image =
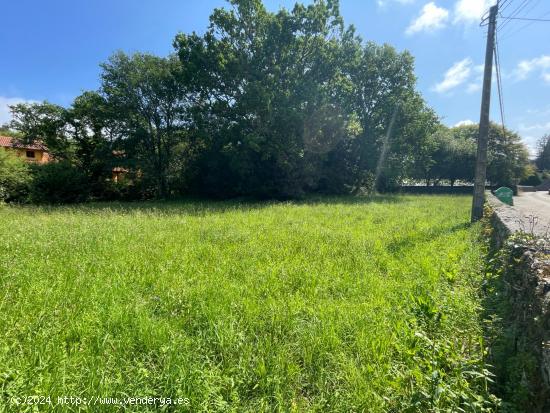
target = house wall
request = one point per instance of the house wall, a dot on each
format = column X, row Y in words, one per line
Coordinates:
column 39, row 155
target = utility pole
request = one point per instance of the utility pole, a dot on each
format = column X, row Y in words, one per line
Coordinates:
column 481, row 159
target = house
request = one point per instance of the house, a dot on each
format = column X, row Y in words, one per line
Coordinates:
column 118, row 174
column 31, row 152
column 38, row 153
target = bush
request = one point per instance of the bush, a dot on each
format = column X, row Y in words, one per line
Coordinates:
column 15, row 178
column 59, row 183
column 531, row 180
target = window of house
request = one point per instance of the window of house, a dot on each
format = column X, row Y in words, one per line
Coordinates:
column 30, row 154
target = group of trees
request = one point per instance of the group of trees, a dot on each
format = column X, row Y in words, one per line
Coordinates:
column 543, row 154
column 452, row 155
column 263, row 104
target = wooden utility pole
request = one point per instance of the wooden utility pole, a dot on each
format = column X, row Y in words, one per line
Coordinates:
column 481, row 159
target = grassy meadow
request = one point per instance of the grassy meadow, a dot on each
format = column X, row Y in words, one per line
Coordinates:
column 331, row 304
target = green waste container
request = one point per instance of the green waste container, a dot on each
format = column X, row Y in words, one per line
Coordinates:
column 505, row 194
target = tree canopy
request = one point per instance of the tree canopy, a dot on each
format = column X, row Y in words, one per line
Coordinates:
column 543, row 153
column 264, row 104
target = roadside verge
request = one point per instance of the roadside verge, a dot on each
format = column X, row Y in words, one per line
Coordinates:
column 518, row 309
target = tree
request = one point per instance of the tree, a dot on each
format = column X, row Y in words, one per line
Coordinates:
column 292, row 102
column 543, row 153
column 92, row 132
column 148, row 100
column 452, row 158
column 5, row 130
column 263, row 104
column 384, row 83
column 42, row 122
column 265, row 79
column 507, row 155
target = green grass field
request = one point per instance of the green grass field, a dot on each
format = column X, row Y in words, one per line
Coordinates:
column 337, row 304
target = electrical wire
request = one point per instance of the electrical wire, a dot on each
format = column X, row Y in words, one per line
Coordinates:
column 518, row 10
column 529, row 23
column 499, row 83
column 526, row 18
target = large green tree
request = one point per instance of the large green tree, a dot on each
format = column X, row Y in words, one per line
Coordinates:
column 543, row 153
column 147, row 98
column 293, row 101
column 266, row 82
column 384, row 87
column 508, row 157
column 264, row 104
column 92, row 132
column 44, row 122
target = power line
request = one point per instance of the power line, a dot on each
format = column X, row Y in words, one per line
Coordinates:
column 526, row 18
column 504, row 5
column 530, row 22
column 513, row 14
column 499, row 83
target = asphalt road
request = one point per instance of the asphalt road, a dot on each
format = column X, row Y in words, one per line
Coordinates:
column 535, row 209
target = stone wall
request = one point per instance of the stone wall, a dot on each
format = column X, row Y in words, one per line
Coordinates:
column 519, row 299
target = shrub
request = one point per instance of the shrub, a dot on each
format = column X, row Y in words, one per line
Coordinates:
column 532, row 180
column 15, row 178
column 59, row 183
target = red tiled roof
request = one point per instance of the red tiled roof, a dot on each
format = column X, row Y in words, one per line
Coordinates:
column 8, row 142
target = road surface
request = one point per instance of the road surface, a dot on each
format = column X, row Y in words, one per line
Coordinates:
column 535, row 210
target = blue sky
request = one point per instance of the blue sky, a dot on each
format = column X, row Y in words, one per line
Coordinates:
column 50, row 50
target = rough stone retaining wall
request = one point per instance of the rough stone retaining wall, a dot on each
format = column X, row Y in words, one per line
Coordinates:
column 522, row 360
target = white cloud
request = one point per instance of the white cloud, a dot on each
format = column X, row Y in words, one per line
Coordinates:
column 532, row 132
column 455, row 76
column 465, row 122
column 431, row 18
column 471, row 11
column 534, row 127
column 5, row 115
column 473, row 87
column 539, row 64
column 475, row 84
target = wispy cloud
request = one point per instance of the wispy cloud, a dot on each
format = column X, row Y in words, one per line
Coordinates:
column 475, row 84
column 532, row 132
column 5, row 102
column 539, row 65
column 431, row 18
column 541, row 127
column 456, row 75
column 471, row 11
column 465, row 122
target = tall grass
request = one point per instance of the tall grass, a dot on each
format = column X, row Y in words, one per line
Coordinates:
column 336, row 304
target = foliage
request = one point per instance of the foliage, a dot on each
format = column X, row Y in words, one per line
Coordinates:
column 330, row 304
column 58, row 183
column 43, row 122
column 263, row 104
column 543, row 154
column 517, row 319
column 507, row 156
column 14, row 177
column 452, row 158
column 148, row 98
column 532, row 179
column 92, row 132
column 5, row 130
column 293, row 102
